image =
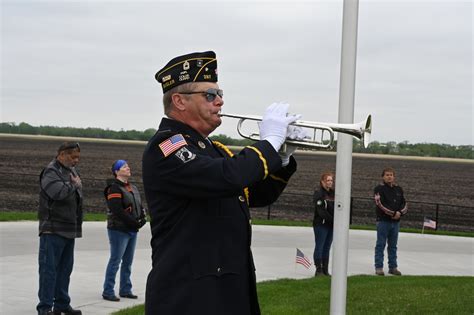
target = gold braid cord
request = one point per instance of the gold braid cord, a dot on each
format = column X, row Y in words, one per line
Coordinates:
column 229, row 152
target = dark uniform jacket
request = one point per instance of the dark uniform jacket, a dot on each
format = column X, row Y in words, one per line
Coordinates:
column 392, row 200
column 199, row 202
column 124, row 206
column 60, row 202
column 323, row 207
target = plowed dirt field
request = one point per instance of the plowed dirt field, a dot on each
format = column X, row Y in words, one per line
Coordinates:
column 428, row 183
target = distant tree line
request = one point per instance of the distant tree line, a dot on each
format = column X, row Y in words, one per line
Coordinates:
column 27, row 129
column 417, row 149
column 393, row 148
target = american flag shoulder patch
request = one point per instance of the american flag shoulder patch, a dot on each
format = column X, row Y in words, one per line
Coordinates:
column 172, row 144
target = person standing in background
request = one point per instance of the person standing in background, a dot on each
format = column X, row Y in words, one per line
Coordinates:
column 125, row 216
column 60, row 223
column 390, row 206
column 323, row 223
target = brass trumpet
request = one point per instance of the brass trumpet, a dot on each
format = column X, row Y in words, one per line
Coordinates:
column 361, row 131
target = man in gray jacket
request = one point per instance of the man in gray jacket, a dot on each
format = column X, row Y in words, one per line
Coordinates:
column 60, row 222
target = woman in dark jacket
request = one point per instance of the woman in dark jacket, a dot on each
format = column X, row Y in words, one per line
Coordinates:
column 323, row 223
column 125, row 216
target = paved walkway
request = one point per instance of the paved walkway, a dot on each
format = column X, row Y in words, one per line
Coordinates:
column 274, row 251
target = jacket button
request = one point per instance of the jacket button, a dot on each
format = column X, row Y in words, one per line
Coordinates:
column 241, row 198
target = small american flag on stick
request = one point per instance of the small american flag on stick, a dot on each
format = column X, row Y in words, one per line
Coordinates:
column 427, row 222
column 302, row 259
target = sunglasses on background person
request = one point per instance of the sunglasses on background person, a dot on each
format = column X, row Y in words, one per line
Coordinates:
column 210, row 94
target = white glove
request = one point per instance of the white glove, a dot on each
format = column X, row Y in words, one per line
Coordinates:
column 274, row 124
column 295, row 133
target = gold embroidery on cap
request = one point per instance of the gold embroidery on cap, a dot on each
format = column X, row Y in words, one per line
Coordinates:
column 195, row 78
column 186, row 65
column 178, row 63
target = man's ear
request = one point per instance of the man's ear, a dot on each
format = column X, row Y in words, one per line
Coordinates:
column 178, row 101
column 61, row 157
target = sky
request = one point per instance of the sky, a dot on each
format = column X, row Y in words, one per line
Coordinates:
column 92, row 63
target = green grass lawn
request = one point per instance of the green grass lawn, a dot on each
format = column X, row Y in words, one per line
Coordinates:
column 365, row 295
column 33, row 216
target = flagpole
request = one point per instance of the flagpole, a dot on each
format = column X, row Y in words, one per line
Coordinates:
column 344, row 158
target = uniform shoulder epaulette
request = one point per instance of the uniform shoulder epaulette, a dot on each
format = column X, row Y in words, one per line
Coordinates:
column 172, row 144
column 159, row 136
column 164, row 132
column 162, row 135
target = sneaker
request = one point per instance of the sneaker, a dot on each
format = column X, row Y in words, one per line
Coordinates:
column 112, row 298
column 379, row 272
column 68, row 311
column 45, row 312
column 394, row 271
column 129, row 296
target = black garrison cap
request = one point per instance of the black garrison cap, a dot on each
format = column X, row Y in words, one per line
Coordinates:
column 194, row 67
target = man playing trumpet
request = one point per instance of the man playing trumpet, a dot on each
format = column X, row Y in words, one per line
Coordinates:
column 199, row 194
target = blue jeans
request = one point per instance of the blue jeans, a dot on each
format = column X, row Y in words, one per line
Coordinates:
column 387, row 233
column 323, row 241
column 55, row 260
column 122, row 249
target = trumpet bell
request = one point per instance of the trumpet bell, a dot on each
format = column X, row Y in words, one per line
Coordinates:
column 367, row 130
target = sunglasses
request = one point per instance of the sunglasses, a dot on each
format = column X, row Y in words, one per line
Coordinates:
column 210, row 94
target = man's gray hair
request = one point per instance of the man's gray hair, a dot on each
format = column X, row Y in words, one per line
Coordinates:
column 168, row 102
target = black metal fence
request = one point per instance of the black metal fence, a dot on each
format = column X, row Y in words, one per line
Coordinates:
column 290, row 206
column 299, row 206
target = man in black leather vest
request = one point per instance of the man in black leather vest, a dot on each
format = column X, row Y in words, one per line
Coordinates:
column 60, row 222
